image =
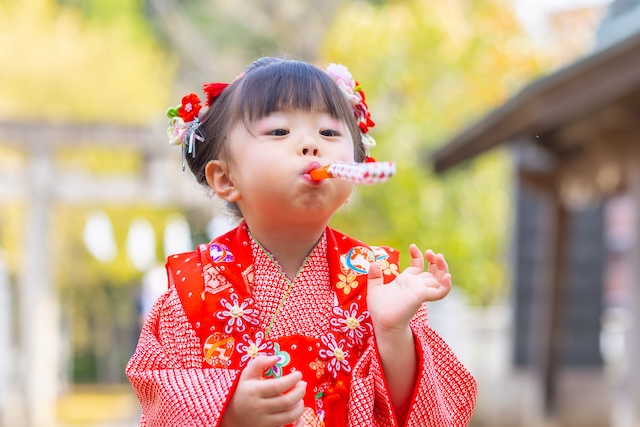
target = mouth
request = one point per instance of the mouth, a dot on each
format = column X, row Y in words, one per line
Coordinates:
column 307, row 176
column 311, row 166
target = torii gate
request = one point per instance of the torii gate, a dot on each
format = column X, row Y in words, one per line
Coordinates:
column 40, row 186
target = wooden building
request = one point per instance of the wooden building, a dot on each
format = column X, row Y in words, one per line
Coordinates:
column 575, row 138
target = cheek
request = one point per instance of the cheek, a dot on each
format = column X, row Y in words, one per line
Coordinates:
column 357, row 151
column 262, row 171
column 353, row 154
column 344, row 152
column 345, row 187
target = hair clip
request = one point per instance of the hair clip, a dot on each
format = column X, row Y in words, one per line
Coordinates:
column 183, row 125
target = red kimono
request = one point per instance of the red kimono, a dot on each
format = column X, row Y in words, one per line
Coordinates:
column 229, row 301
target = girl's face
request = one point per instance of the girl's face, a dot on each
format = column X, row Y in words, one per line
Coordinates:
column 270, row 162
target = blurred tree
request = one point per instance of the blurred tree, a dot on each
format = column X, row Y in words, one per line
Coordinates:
column 81, row 61
column 265, row 27
column 429, row 67
column 217, row 39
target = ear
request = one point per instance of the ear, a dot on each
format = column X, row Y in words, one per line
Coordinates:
column 218, row 178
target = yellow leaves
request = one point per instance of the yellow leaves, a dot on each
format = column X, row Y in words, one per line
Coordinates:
column 454, row 16
column 57, row 66
column 100, row 160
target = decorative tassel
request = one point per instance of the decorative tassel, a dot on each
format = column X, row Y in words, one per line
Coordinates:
column 335, row 405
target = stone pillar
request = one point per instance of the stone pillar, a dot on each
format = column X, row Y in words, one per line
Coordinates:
column 6, row 345
column 38, row 303
column 633, row 377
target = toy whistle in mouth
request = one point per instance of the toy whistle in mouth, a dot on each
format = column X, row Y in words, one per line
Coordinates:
column 358, row 173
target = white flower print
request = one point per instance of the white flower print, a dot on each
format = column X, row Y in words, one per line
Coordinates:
column 355, row 326
column 250, row 347
column 336, row 354
column 238, row 314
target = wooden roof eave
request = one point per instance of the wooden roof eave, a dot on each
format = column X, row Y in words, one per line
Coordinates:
column 551, row 102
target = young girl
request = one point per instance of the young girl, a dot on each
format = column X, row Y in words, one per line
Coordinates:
column 284, row 320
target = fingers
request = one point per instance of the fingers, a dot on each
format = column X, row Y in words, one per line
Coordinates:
column 260, row 401
column 446, row 280
column 289, row 416
column 274, row 387
column 256, row 367
column 442, row 290
column 417, row 261
column 439, row 271
column 375, row 275
column 437, row 264
column 286, row 401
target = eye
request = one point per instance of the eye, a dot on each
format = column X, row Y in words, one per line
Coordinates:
column 278, row 132
column 330, row 132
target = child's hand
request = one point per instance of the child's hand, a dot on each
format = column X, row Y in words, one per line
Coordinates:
column 259, row 402
column 393, row 305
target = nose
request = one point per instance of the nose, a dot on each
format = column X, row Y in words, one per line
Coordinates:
column 309, row 147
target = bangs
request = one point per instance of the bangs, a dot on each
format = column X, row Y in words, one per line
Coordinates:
column 289, row 85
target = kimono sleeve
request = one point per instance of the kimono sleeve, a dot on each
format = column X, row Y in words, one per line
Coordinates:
column 167, row 375
column 445, row 392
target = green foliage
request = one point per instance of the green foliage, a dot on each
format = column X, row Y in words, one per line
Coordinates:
column 429, row 68
column 100, row 299
column 239, row 32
